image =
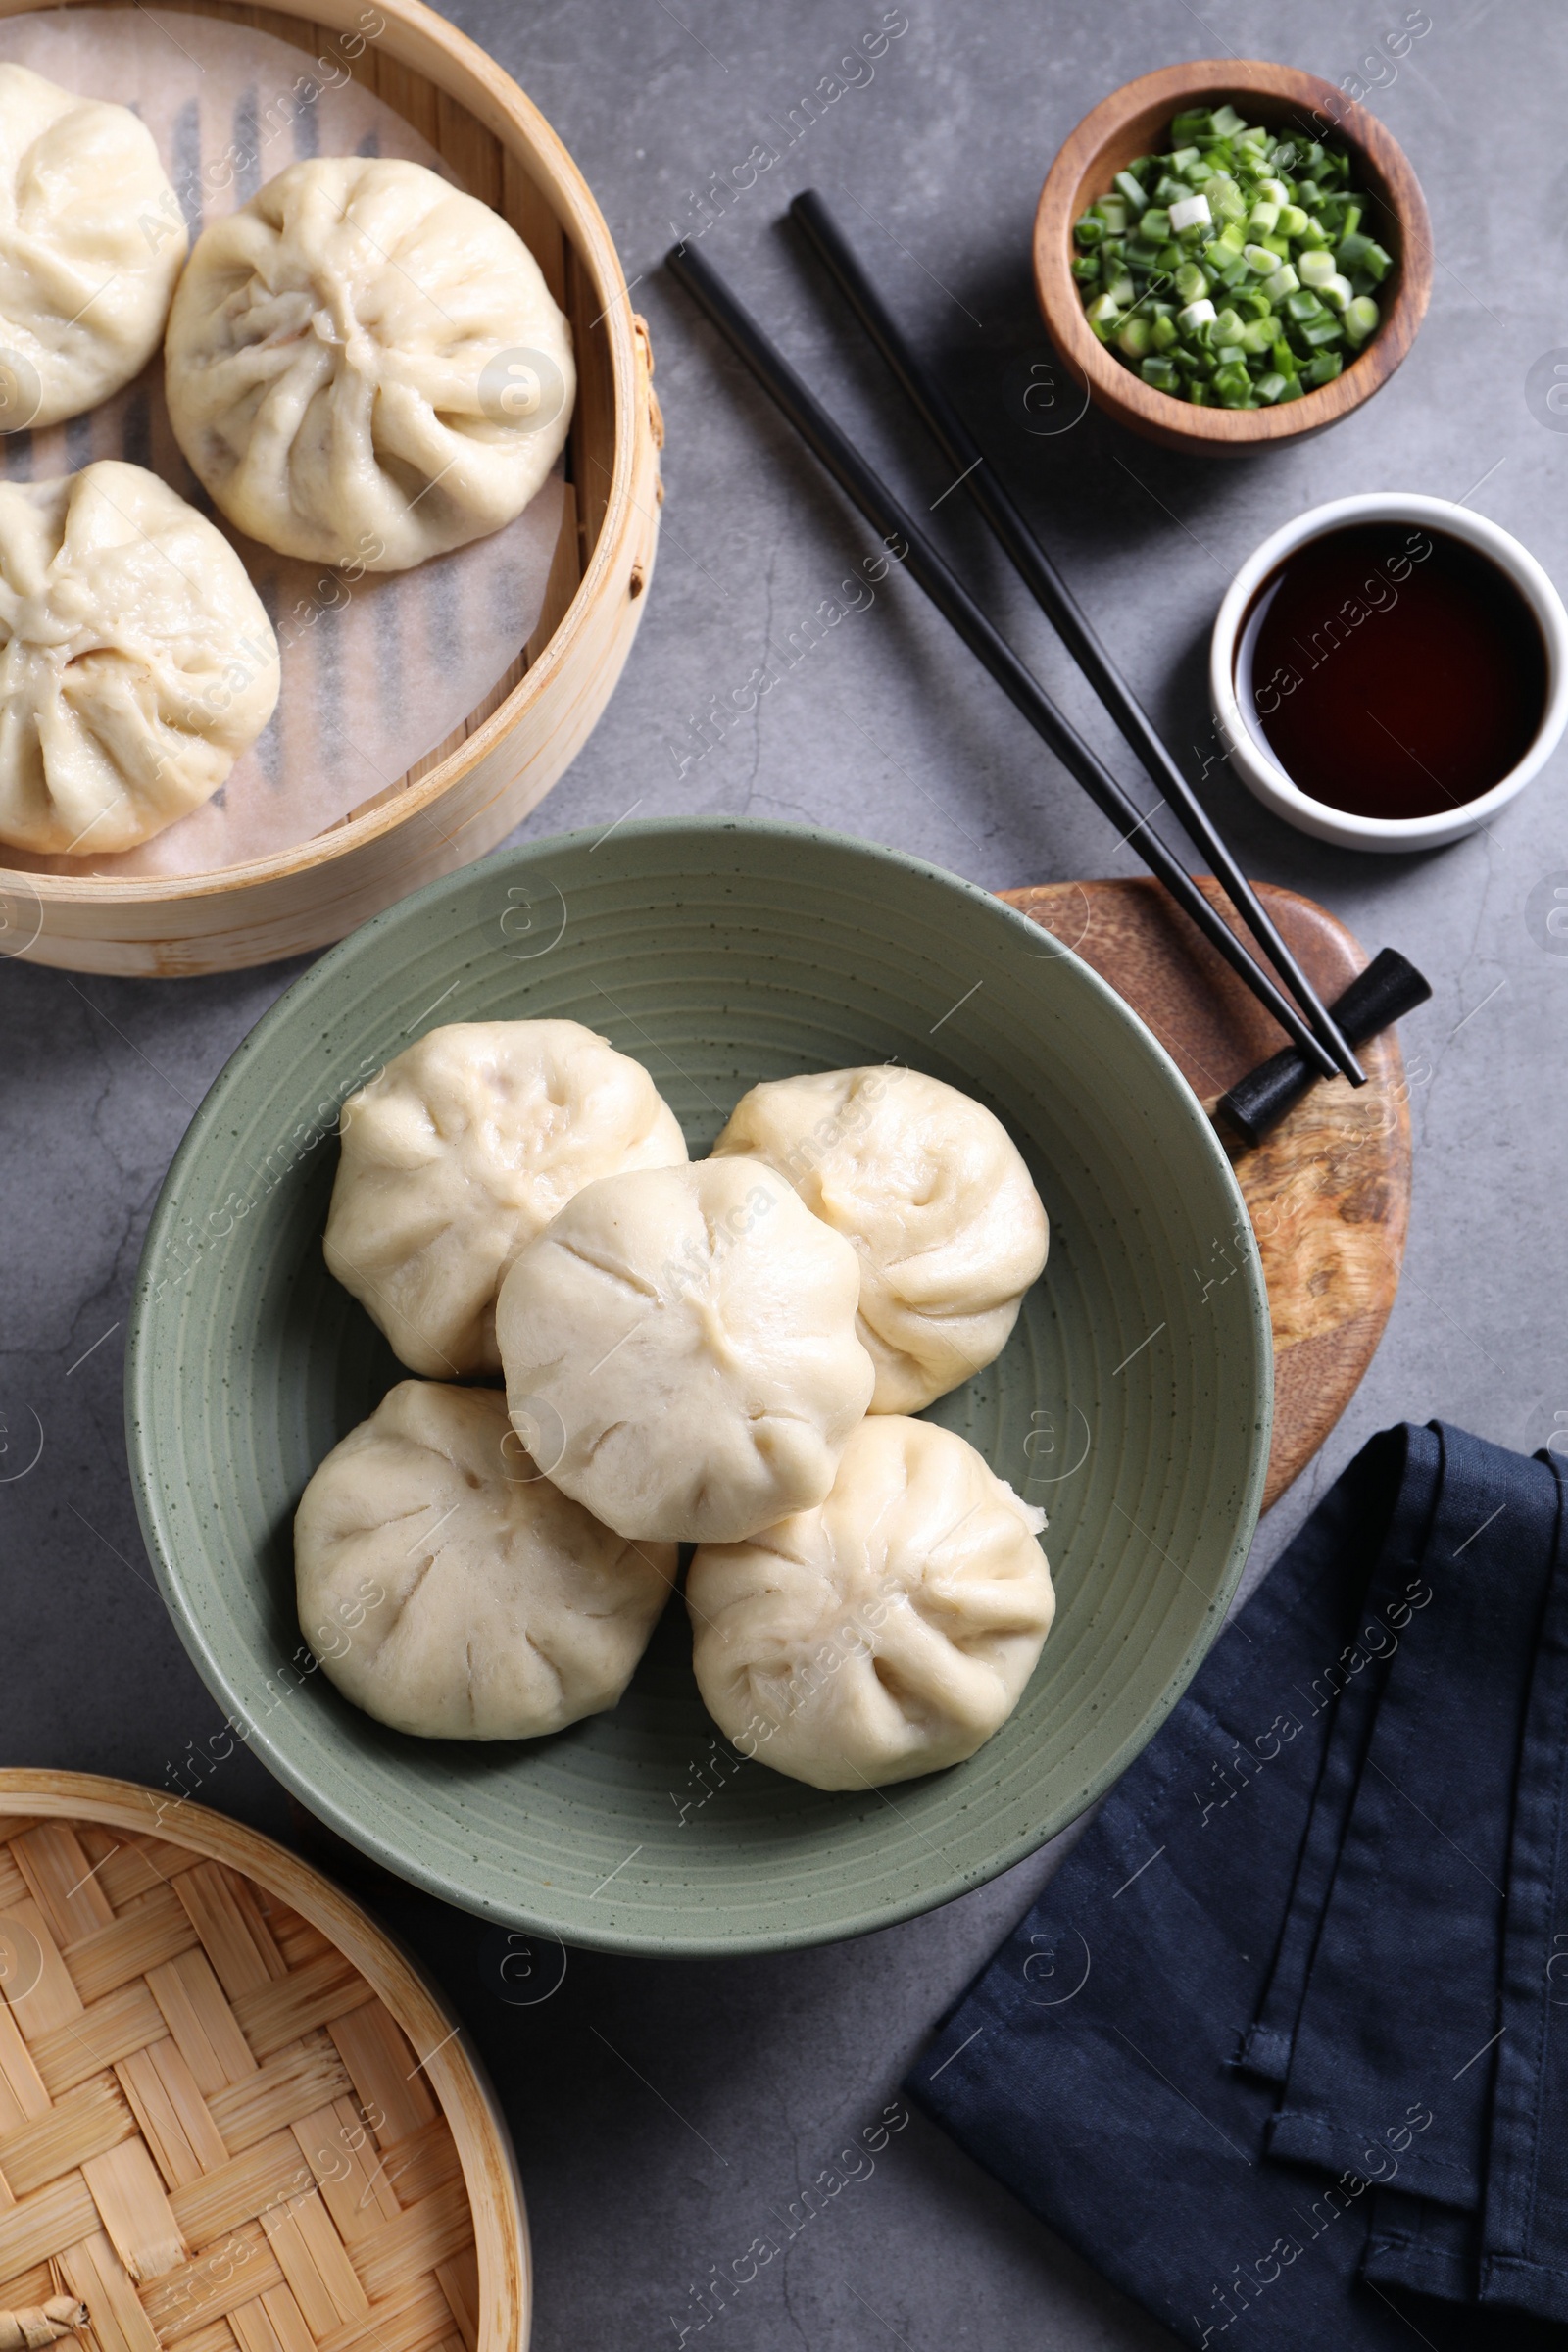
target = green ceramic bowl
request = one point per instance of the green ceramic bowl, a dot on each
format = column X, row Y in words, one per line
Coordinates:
column 1132, row 1402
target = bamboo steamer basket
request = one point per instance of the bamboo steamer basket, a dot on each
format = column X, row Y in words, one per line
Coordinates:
column 467, row 794
column 234, row 2116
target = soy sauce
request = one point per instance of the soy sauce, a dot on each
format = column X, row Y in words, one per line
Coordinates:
column 1392, row 670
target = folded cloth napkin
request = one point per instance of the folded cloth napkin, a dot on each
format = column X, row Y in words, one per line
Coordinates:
column 1283, row 2050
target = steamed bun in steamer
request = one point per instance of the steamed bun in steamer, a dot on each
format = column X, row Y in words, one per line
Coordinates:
column 886, row 1633
column 364, row 364
column 458, row 1153
column 680, row 1346
column 451, row 1591
column 91, row 241
column 933, row 1194
column 136, row 661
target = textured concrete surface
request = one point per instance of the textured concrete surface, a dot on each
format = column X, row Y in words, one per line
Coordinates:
column 664, row 2115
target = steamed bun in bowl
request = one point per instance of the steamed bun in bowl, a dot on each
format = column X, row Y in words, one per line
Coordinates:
column 886, row 1633
column 934, row 1194
column 451, row 1591
column 458, row 1153
column 679, row 1345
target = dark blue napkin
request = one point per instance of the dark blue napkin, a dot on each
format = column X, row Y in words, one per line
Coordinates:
column 1284, row 2047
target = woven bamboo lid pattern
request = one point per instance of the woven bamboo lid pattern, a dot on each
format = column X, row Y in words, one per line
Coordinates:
column 213, row 2131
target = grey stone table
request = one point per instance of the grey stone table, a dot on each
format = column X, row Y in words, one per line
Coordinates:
column 665, row 2114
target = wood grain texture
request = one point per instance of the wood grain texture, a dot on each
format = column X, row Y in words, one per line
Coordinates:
column 453, row 806
column 280, row 2142
column 1134, row 120
column 1329, row 1191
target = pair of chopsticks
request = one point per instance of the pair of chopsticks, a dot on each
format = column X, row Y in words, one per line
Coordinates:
column 1317, row 1035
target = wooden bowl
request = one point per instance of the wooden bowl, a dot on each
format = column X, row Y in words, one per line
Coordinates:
column 1134, row 120
column 233, row 2117
column 465, row 797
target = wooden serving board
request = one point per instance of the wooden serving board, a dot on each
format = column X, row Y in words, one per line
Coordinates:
column 1329, row 1190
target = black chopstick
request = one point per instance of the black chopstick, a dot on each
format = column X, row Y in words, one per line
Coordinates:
column 920, row 559
column 1058, row 602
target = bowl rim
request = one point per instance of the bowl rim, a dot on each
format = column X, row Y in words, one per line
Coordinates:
column 454, row 62
column 1175, row 424
column 1263, row 775
column 140, row 1404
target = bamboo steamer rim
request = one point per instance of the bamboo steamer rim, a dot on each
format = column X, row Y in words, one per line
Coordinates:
column 484, row 2150
column 417, row 38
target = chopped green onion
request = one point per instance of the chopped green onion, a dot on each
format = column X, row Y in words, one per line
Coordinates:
column 1190, row 213
column 1256, row 237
